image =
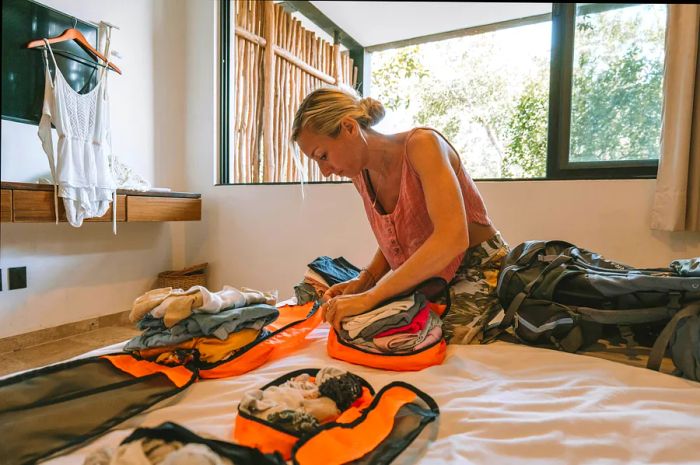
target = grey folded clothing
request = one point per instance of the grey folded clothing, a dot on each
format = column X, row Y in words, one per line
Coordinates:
column 399, row 319
column 219, row 325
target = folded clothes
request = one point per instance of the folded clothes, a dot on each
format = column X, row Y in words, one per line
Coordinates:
column 415, row 326
column 334, row 270
column 305, row 293
column 177, row 304
column 318, row 287
column 219, row 325
column 311, row 275
column 394, row 314
column 406, row 342
column 209, row 349
column 433, row 336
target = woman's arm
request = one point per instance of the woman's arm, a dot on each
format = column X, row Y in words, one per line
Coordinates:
column 367, row 278
column 450, row 237
column 378, row 267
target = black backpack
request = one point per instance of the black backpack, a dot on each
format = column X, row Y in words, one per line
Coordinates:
column 559, row 295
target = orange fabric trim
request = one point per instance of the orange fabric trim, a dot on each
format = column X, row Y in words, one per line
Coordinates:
column 348, row 444
column 274, row 347
column 253, row 434
column 354, row 412
column 179, row 375
column 429, row 357
column 438, row 309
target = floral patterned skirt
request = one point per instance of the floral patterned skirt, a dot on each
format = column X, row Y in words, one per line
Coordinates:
column 473, row 292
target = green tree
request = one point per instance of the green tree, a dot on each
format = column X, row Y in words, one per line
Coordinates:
column 527, row 133
column 616, row 97
column 399, row 72
column 617, row 87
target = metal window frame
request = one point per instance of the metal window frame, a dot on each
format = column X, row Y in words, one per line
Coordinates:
column 559, row 166
column 224, row 91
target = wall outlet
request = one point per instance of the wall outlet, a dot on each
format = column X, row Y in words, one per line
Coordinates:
column 17, row 277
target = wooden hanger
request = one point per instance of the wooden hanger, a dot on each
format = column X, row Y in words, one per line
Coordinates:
column 74, row 34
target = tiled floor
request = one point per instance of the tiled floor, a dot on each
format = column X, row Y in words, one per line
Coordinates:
column 55, row 351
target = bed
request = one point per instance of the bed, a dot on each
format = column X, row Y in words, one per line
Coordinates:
column 499, row 403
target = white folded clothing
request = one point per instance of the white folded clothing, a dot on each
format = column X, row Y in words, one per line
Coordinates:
column 355, row 324
column 214, row 302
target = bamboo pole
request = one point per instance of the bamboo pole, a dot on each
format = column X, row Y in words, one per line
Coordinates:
column 240, row 95
column 253, row 120
column 249, row 36
column 251, row 123
column 354, row 74
column 284, row 88
column 253, row 51
column 307, row 68
column 268, row 116
column 276, row 106
column 336, row 63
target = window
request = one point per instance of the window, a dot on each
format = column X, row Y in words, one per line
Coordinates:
column 487, row 93
column 571, row 91
column 575, row 94
column 616, row 87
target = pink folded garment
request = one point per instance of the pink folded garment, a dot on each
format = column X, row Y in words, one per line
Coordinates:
column 416, row 325
column 432, row 337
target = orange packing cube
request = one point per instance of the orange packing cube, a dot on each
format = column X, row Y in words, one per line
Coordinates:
column 374, row 429
column 435, row 290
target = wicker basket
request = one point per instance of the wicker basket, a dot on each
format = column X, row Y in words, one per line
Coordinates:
column 184, row 279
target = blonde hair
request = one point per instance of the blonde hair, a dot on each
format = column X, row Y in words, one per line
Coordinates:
column 322, row 110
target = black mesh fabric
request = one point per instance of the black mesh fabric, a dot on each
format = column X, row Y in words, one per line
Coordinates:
column 49, row 410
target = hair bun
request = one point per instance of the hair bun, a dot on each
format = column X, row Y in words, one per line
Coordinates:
column 374, row 109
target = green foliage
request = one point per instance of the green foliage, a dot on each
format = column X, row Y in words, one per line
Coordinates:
column 499, row 118
column 527, row 132
column 397, row 75
column 617, row 90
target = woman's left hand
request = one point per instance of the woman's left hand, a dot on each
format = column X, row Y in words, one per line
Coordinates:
column 343, row 306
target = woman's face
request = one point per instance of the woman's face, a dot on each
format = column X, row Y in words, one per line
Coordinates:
column 340, row 155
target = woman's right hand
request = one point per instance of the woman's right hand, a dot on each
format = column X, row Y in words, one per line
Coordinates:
column 356, row 285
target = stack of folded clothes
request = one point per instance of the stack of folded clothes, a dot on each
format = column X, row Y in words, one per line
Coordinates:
column 180, row 326
column 401, row 326
column 321, row 274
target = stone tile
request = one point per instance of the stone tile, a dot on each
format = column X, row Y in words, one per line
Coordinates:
column 51, row 352
column 57, row 351
column 43, row 336
column 116, row 319
column 105, row 336
column 8, row 364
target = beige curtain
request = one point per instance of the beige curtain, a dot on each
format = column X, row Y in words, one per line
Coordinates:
column 677, row 198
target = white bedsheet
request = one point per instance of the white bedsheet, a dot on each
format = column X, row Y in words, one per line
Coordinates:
column 499, row 404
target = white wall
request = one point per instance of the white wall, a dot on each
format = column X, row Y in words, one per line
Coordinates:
column 263, row 236
column 74, row 274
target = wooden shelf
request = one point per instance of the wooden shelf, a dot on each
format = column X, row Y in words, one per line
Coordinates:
column 33, row 203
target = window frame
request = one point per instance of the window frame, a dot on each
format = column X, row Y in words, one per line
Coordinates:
column 559, row 165
column 560, row 89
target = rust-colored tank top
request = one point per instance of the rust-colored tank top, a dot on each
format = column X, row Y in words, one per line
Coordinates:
column 400, row 233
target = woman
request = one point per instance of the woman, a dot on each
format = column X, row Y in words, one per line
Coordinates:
column 426, row 212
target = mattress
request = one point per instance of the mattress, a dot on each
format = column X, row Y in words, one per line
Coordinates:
column 500, row 403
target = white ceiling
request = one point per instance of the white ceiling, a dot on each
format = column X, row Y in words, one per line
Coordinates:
column 373, row 23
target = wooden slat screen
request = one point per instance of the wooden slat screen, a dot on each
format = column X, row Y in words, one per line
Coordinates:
column 277, row 63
